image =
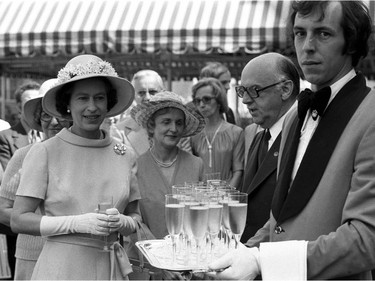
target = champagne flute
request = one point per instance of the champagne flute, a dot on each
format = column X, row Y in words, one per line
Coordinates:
column 198, row 217
column 102, row 208
column 225, row 218
column 237, row 208
column 214, row 218
column 174, row 214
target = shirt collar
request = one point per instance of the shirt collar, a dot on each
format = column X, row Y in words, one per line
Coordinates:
column 277, row 127
column 337, row 86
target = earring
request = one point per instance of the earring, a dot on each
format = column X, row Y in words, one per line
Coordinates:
column 68, row 110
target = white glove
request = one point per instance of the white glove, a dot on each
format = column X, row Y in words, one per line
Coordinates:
column 239, row 264
column 119, row 222
column 92, row 223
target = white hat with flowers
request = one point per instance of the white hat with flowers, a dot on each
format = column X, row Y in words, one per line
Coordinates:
column 141, row 113
column 84, row 67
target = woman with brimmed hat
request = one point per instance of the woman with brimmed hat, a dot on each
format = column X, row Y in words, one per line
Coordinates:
column 28, row 247
column 71, row 174
column 166, row 120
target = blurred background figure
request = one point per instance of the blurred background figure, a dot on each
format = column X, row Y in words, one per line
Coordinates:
column 28, row 247
column 220, row 72
column 20, row 134
column 12, row 139
column 146, row 83
column 220, row 144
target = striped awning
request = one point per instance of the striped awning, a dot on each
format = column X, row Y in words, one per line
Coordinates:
column 55, row 27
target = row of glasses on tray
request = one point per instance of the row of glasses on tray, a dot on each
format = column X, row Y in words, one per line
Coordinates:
column 201, row 210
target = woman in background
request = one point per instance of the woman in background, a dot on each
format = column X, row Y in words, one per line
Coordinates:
column 166, row 120
column 220, row 144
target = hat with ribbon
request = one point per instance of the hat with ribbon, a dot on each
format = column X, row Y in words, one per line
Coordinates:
column 32, row 104
column 84, row 67
column 141, row 113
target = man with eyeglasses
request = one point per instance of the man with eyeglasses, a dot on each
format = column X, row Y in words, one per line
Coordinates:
column 322, row 220
column 146, row 83
column 270, row 85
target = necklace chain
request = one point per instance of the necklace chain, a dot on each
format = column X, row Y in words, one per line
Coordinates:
column 164, row 164
column 209, row 144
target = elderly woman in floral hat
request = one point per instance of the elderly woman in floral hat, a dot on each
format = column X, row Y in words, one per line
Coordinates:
column 166, row 120
column 77, row 172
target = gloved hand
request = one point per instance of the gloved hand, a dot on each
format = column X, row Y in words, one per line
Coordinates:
column 119, row 222
column 92, row 223
column 239, row 264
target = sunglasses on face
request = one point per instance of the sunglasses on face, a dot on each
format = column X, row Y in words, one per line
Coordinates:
column 205, row 100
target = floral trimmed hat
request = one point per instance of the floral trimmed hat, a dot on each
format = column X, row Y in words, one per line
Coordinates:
column 84, row 67
column 141, row 113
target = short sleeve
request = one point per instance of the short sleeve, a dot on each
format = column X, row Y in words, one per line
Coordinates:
column 34, row 176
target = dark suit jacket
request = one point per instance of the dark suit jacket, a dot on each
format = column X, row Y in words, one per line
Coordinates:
column 259, row 183
column 10, row 140
column 229, row 115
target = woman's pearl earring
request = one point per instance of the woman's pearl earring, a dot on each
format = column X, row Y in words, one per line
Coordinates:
column 68, row 110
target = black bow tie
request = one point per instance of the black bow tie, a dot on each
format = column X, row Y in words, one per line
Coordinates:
column 317, row 101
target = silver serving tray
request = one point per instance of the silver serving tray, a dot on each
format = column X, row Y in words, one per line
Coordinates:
column 159, row 254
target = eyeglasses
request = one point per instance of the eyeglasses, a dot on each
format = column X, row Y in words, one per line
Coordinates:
column 205, row 100
column 150, row 92
column 47, row 118
column 253, row 92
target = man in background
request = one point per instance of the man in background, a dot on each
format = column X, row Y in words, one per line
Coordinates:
column 270, row 85
column 146, row 83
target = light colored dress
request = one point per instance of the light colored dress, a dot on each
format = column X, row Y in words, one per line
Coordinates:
column 153, row 186
column 72, row 175
column 228, row 149
column 28, row 247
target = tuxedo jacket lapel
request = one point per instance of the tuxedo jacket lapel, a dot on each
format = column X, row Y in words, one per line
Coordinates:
column 322, row 145
column 267, row 167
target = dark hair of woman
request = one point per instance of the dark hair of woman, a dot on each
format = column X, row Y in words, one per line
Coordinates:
column 64, row 95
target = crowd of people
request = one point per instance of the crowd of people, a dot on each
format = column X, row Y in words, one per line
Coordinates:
column 94, row 155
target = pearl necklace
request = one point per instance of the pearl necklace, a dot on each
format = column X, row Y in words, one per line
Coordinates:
column 163, row 164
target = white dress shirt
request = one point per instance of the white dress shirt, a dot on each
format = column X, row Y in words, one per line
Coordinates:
column 309, row 125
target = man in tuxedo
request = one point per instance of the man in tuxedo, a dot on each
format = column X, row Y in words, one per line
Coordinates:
column 11, row 139
column 322, row 223
column 270, row 85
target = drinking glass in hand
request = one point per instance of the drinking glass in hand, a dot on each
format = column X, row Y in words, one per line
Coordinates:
column 174, row 214
column 237, row 210
column 102, row 208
